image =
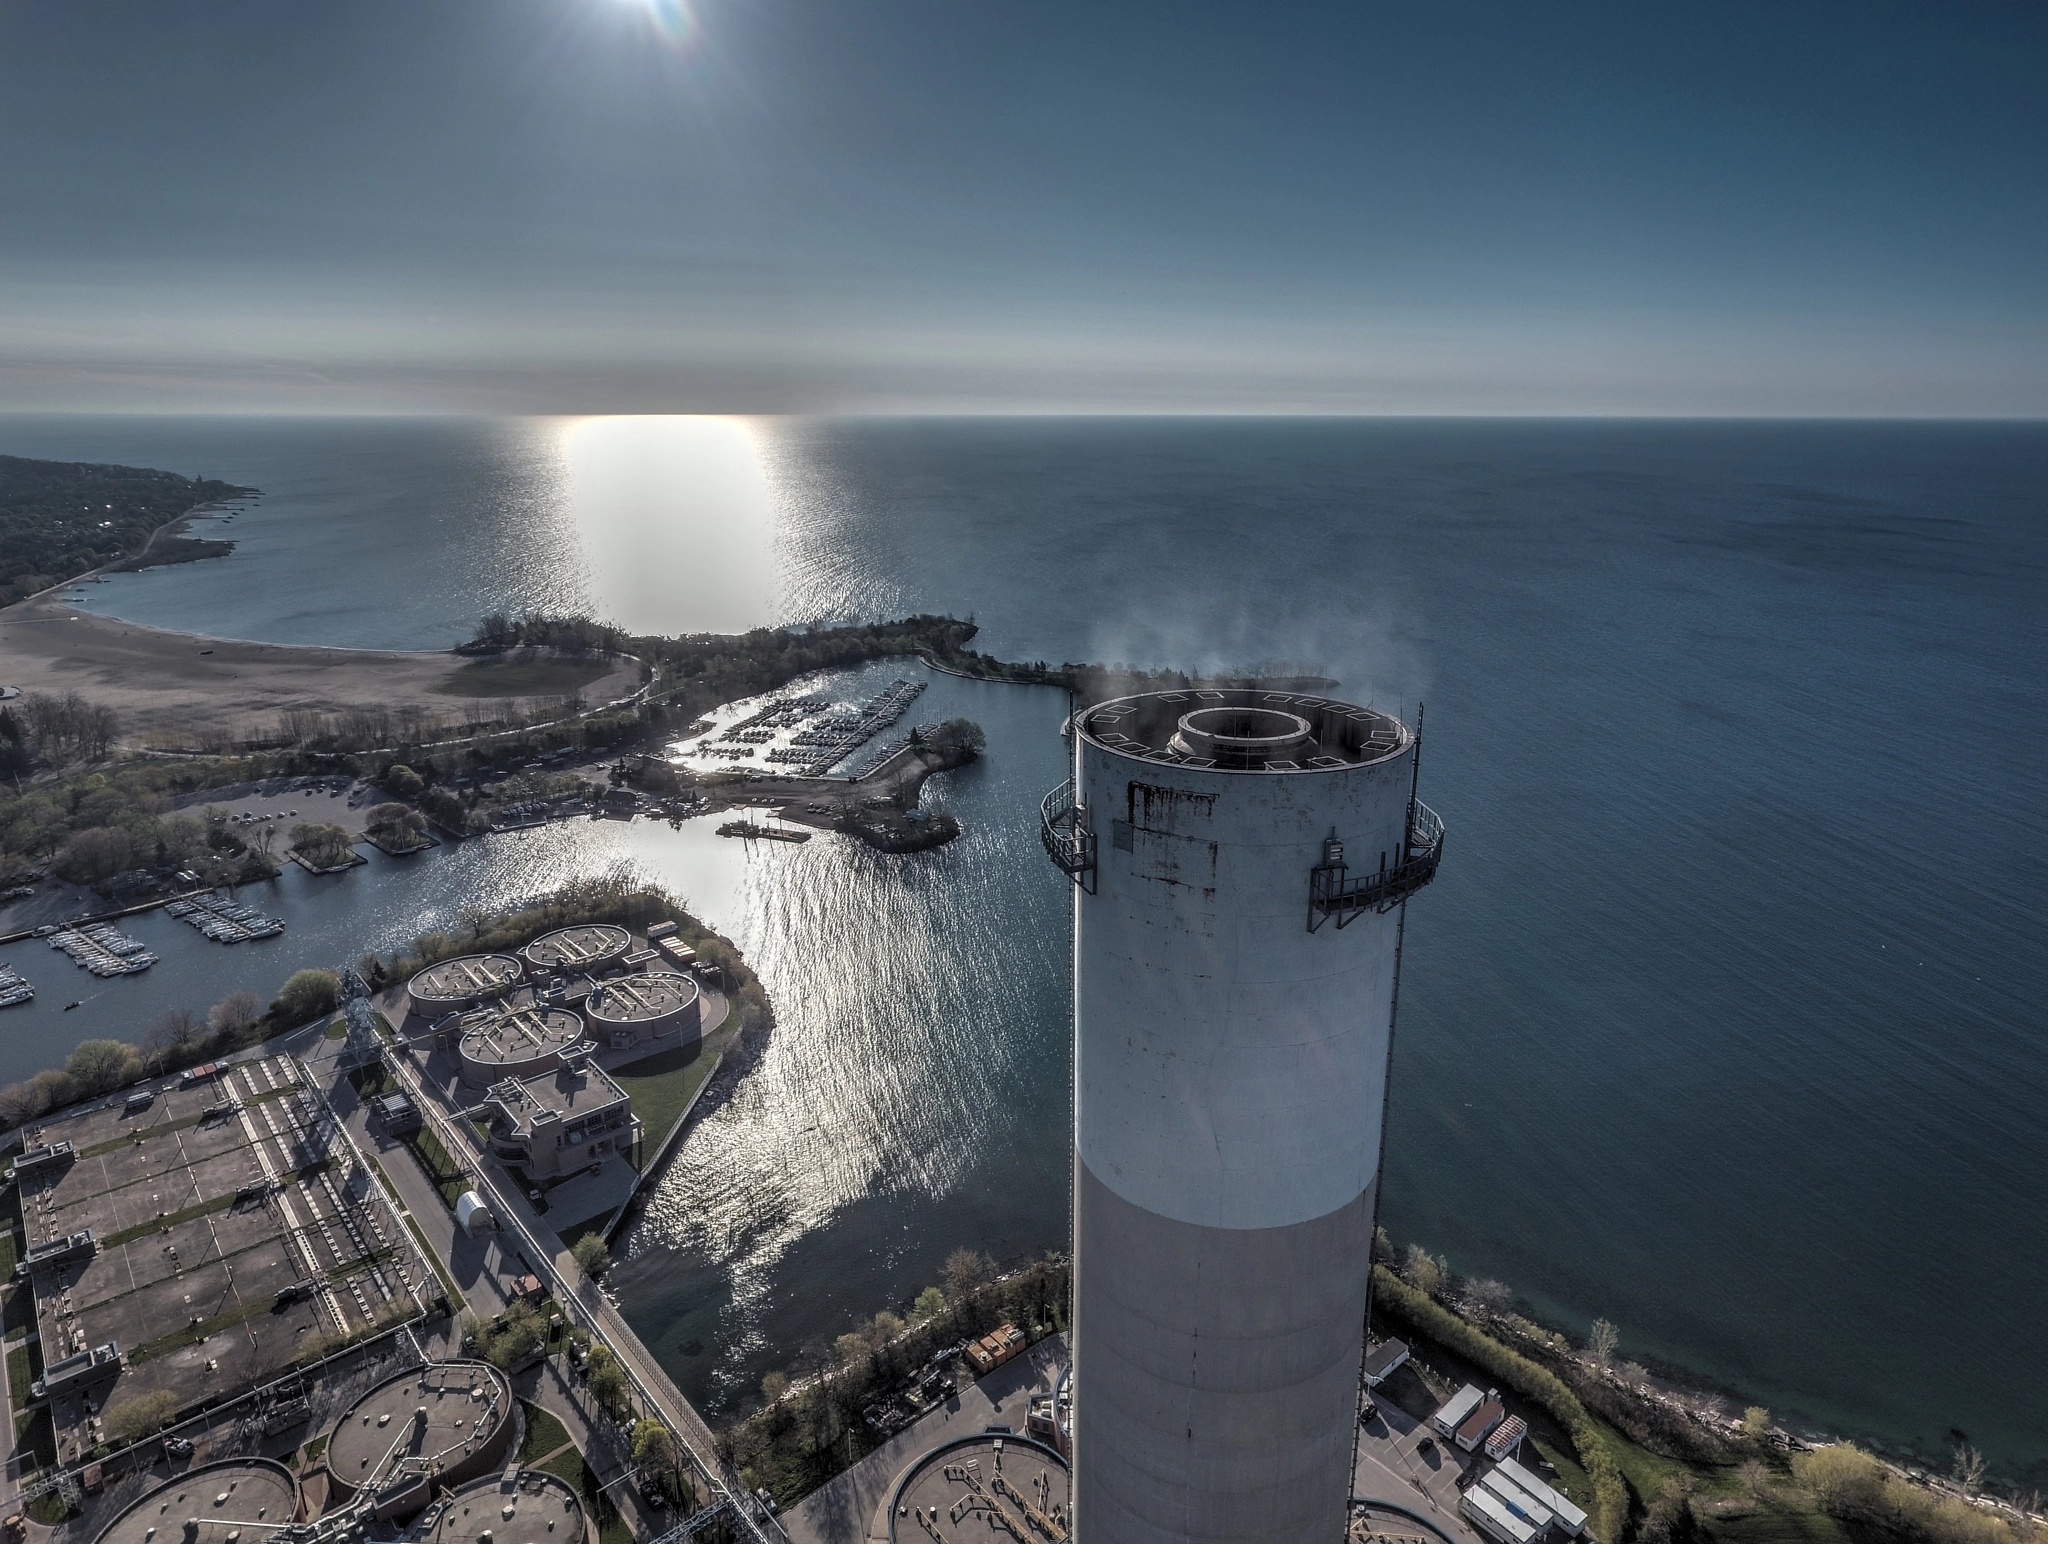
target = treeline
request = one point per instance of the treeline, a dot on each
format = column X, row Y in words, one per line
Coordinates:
column 38, row 729
column 181, row 1038
column 1627, row 1435
column 810, row 1426
column 96, row 828
column 59, row 519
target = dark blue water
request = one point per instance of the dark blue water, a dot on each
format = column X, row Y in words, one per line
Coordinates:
column 1725, row 1017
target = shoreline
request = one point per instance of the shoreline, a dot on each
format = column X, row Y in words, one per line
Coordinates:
column 200, row 685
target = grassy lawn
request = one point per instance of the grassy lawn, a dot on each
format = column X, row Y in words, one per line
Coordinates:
column 663, row 1085
column 19, row 1376
column 448, row 1179
column 523, row 674
column 543, row 1434
column 573, row 1467
column 17, row 1312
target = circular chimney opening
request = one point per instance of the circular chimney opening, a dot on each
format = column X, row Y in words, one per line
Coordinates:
column 1239, row 734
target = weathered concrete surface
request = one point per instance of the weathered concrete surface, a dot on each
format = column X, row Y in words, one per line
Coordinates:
column 1230, row 1069
column 846, row 1508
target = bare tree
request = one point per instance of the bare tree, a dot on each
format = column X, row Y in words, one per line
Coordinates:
column 1968, row 1469
column 20, row 1102
column 1422, row 1272
column 235, row 1014
column 1602, row 1341
column 1756, row 1478
column 1491, row 1297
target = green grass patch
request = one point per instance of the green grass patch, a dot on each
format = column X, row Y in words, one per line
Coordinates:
column 573, row 1467
column 51, row 1508
column 19, row 1376
column 434, row 1161
column 663, row 1085
column 17, row 1312
column 314, row 1451
column 10, row 1249
column 544, row 1434
column 36, row 1436
column 524, row 674
column 338, row 1030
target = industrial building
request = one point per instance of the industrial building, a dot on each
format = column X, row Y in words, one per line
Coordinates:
column 427, row 1429
column 592, row 946
column 515, row 1043
column 629, row 1010
column 560, row 1121
column 1240, row 861
column 981, row 1487
column 463, row 982
column 203, row 1245
column 522, row 1505
column 237, row 1501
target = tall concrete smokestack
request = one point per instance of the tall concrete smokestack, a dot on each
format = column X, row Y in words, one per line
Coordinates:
column 1240, row 860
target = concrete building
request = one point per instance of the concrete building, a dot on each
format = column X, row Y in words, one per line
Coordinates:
column 630, row 1009
column 990, row 1485
column 246, row 1500
column 1240, row 860
column 559, row 1121
column 577, row 950
column 515, row 1044
column 429, row 1428
column 463, row 982
column 523, row 1504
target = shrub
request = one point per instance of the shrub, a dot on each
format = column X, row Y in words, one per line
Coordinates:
column 592, row 1255
column 100, row 1066
column 403, row 782
column 307, row 995
column 137, row 1418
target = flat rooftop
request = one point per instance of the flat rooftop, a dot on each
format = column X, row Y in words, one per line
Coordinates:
column 571, row 948
column 244, row 1499
column 231, row 1241
column 1244, row 730
column 640, row 999
column 465, row 1403
column 522, row 1034
column 981, row 1487
column 467, row 976
column 568, row 1091
column 534, row 1506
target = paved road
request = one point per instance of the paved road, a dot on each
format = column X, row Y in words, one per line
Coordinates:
column 472, row 1259
column 1391, row 1467
column 482, row 1268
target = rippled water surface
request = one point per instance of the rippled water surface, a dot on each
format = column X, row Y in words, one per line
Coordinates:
column 1724, row 1019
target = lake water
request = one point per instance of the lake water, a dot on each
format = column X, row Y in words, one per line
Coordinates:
column 1723, row 1021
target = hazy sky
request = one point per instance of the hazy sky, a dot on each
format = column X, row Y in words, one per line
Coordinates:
column 881, row 205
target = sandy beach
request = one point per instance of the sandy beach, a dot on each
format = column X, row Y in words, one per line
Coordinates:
column 181, row 688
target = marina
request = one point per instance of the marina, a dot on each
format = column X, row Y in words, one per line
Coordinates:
column 14, row 988
column 222, row 920
column 103, row 949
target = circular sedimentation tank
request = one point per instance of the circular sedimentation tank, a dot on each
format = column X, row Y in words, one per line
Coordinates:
column 983, row 1485
column 586, row 947
column 538, row 1506
column 442, row 1424
column 245, row 1499
column 517, row 1044
column 463, row 982
column 660, row 1002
